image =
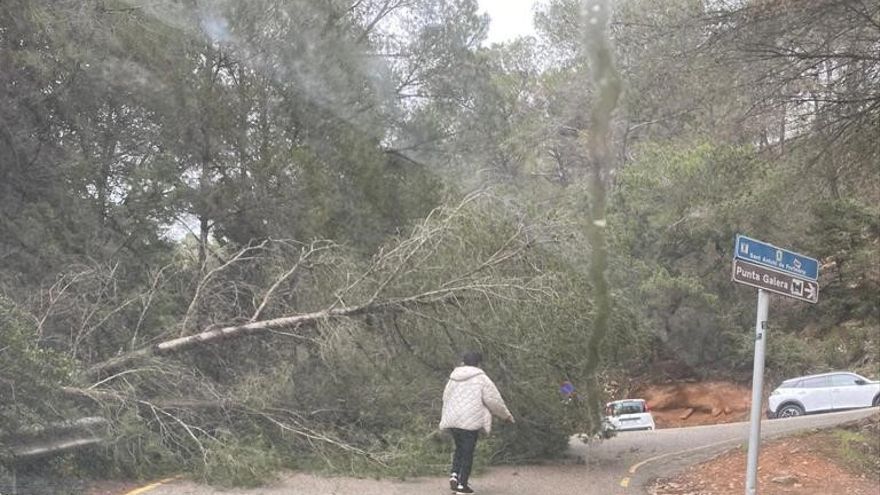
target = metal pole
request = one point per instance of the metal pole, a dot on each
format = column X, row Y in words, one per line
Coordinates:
column 757, row 393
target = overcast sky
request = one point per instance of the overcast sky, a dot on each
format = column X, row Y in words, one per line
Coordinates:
column 508, row 18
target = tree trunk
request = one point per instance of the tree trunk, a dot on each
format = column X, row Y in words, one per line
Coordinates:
column 440, row 296
column 204, row 229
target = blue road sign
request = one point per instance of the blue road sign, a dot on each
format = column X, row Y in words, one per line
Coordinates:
column 765, row 254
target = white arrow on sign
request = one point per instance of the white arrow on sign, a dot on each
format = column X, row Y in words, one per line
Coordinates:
column 810, row 290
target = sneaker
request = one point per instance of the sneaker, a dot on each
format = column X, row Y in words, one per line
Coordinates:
column 453, row 481
column 463, row 490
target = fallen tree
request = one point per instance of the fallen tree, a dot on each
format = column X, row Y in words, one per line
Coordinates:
column 215, row 335
column 263, row 385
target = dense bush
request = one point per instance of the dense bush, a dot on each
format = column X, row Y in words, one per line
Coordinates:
column 31, row 376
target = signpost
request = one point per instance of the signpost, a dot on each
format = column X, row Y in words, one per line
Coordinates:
column 774, row 281
column 770, row 269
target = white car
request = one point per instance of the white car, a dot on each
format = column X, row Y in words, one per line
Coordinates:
column 629, row 414
column 822, row 393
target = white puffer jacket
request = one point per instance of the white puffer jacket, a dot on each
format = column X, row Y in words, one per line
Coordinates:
column 470, row 399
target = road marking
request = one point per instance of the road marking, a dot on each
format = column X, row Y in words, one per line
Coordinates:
column 765, row 435
column 635, row 467
column 151, row 486
column 624, row 482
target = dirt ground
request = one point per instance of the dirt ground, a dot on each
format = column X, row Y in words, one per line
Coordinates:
column 693, row 404
column 806, row 465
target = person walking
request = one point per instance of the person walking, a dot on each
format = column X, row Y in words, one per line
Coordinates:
column 469, row 401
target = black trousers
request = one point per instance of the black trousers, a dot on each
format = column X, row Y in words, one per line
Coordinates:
column 463, row 458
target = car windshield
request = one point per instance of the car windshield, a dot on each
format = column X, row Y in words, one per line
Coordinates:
column 628, row 407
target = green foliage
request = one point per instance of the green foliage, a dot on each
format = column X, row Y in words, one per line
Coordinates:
column 31, row 376
column 676, row 211
column 848, row 230
column 135, row 451
column 418, row 448
column 788, row 355
column 358, row 393
column 395, row 366
column 859, row 448
column 544, row 425
column 670, row 229
column 852, row 345
column 246, row 461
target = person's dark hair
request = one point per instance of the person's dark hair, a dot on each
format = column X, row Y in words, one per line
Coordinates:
column 472, row 358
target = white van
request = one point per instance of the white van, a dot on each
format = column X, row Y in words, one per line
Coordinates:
column 629, row 415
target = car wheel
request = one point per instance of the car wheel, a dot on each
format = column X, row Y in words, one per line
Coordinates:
column 876, row 401
column 790, row 411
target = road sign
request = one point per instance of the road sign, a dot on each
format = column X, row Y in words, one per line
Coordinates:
column 786, row 261
column 775, row 281
column 770, row 269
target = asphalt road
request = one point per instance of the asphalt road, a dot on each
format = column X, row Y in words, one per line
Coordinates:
column 620, row 466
